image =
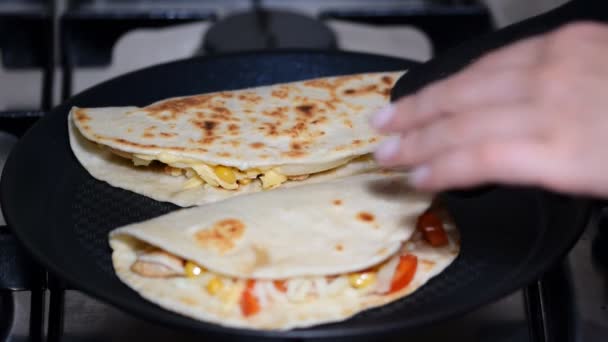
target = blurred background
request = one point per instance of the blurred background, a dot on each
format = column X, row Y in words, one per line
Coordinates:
column 98, row 39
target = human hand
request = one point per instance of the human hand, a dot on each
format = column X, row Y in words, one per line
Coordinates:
column 533, row 113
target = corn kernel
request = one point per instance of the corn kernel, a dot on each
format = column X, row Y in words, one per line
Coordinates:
column 254, row 172
column 244, row 181
column 193, row 270
column 225, row 173
column 214, row 286
column 361, row 280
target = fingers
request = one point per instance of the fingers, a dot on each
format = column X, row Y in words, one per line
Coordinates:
column 498, row 78
column 456, row 131
column 463, row 92
column 509, row 163
column 522, row 54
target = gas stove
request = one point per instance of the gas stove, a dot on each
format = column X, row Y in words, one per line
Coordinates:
column 568, row 303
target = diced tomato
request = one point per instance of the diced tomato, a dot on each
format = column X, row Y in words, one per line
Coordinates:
column 280, row 285
column 431, row 226
column 249, row 302
column 404, row 273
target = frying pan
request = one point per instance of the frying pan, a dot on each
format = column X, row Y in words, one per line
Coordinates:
column 62, row 215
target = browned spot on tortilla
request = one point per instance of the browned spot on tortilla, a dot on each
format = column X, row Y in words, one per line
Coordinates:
column 365, row 216
column 257, row 145
column 224, row 118
column 382, row 251
column 86, row 127
column 280, row 93
column 221, row 110
column 296, row 146
column 372, row 88
column 150, row 128
column 427, row 265
column 264, row 156
column 129, row 130
column 340, row 148
column 188, row 301
column 128, row 143
column 320, row 120
column 148, row 135
column 233, row 127
column 235, row 143
column 222, row 235
column 348, row 123
column 296, row 129
column 387, row 80
column 226, row 95
column 270, row 128
column 224, row 154
column 339, row 247
column 253, row 120
column 167, row 134
column 250, row 97
column 168, row 117
column 207, row 140
column 261, row 257
column 386, row 92
column 178, row 106
column 337, row 202
column 280, row 113
column 81, row 115
column 306, row 109
column 295, row 154
column 372, row 140
column 209, row 125
column 357, row 142
column 320, row 83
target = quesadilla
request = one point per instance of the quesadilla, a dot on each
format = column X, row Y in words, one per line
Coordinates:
column 291, row 257
column 202, row 148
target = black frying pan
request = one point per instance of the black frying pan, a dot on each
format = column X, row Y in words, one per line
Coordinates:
column 62, row 215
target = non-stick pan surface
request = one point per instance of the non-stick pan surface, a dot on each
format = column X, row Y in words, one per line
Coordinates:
column 62, row 215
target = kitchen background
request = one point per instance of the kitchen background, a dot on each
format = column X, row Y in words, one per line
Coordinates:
column 142, row 47
column 87, row 319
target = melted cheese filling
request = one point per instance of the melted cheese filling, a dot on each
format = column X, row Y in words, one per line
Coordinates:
column 228, row 290
column 199, row 173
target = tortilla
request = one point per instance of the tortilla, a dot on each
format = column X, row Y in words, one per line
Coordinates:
column 312, row 238
column 223, row 144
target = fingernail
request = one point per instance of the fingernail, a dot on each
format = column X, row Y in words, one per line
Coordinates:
column 419, row 175
column 388, row 149
column 383, row 116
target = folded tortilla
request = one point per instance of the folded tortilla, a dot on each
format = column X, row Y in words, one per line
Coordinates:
column 198, row 149
column 308, row 255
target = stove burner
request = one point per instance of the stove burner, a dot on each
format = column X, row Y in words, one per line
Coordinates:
column 263, row 29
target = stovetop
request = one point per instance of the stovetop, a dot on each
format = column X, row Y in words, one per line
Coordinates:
column 573, row 294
